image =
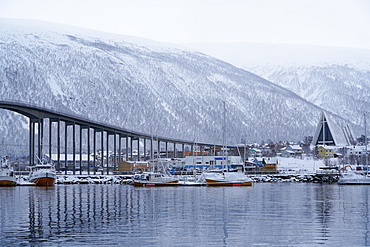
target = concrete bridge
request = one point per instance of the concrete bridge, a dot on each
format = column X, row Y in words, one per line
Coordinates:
column 47, row 121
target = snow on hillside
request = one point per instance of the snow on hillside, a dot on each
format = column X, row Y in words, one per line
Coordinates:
column 336, row 79
column 249, row 55
column 144, row 86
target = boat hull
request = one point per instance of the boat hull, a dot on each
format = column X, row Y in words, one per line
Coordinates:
column 43, row 181
column 7, row 181
column 42, row 175
column 354, row 182
column 189, row 183
column 154, row 184
column 227, row 179
column 211, row 182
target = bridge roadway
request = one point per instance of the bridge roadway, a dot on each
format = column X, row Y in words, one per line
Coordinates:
column 37, row 115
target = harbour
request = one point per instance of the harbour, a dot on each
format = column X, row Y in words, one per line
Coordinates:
column 289, row 170
column 266, row 214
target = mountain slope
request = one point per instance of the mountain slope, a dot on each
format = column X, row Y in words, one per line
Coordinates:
column 144, row 86
column 333, row 78
column 341, row 89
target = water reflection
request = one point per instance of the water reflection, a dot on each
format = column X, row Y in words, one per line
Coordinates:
column 324, row 206
column 265, row 214
column 355, row 208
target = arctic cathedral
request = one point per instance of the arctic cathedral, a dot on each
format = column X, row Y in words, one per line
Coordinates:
column 329, row 134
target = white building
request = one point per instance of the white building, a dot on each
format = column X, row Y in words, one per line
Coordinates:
column 329, row 134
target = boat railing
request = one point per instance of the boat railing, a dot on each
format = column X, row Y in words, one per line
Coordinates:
column 329, row 172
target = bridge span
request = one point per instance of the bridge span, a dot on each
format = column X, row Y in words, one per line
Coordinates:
column 45, row 121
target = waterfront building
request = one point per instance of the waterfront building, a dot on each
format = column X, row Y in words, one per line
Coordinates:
column 133, row 166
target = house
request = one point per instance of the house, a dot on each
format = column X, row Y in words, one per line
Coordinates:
column 261, row 164
column 326, row 151
column 132, row 166
column 291, row 151
column 358, row 150
column 255, row 152
column 270, row 164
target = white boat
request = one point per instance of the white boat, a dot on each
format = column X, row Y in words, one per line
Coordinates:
column 6, row 173
column 42, row 174
column 352, row 178
column 192, row 180
column 227, row 179
column 152, row 179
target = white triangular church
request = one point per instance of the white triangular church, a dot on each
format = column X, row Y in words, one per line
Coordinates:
column 329, row 134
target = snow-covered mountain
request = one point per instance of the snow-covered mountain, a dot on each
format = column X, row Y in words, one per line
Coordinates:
column 141, row 85
column 333, row 78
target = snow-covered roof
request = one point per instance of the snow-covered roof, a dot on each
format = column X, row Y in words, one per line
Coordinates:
column 328, row 147
column 296, row 147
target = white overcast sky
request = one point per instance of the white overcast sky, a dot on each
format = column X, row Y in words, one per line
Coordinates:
column 318, row 22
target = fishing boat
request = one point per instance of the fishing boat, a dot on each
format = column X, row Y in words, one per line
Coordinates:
column 6, row 173
column 42, row 174
column 151, row 179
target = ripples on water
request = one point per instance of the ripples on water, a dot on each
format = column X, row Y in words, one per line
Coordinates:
column 267, row 214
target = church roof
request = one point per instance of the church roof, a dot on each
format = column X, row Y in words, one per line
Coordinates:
column 329, row 133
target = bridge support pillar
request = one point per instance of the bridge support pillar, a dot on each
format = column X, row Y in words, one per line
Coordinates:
column 65, row 147
column 32, row 143
column 107, row 163
column 74, row 147
column 131, row 147
column 119, row 148
column 145, row 149
column 88, row 149
column 40, row 125
column 94, row 147
column 127, row 148
column 102, row 151
column 138, row 149
column 151, row 150
column 50, row 137
column 80, row 149
column 115, row 152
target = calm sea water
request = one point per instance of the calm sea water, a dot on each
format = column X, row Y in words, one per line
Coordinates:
column 267, row 214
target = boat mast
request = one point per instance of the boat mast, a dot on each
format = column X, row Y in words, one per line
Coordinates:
column 224, row 140
column 366, row 164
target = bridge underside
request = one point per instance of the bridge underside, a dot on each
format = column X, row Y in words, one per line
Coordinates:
column 84, row 137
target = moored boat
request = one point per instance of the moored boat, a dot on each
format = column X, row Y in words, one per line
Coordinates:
column 152, row 179
column 6, row 173
column 352, row 178
column 42, row 174
column 227, row 179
